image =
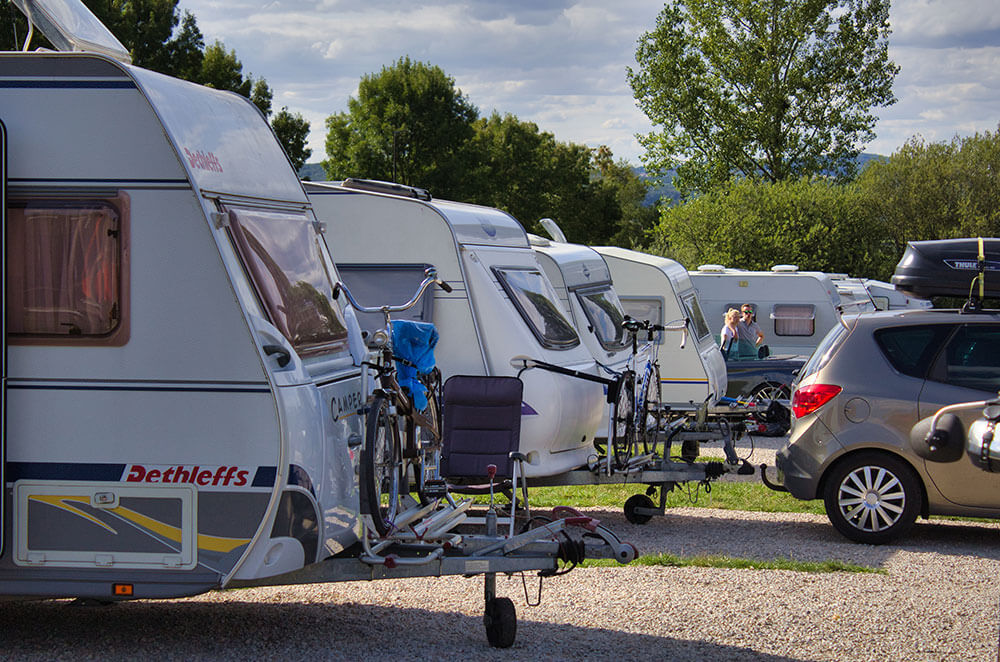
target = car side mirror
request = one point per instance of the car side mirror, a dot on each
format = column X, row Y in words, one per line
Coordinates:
column 763, row 352
column 946, row 444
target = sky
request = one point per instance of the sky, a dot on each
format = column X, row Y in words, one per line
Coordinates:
column 561, row 63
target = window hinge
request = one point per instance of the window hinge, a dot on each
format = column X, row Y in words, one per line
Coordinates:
column 220, row 219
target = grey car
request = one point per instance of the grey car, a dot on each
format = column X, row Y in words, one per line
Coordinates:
column 853, row 405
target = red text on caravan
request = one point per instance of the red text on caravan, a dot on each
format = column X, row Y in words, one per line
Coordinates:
column 225, row 476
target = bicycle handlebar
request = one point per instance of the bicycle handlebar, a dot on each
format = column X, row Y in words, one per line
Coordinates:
column 634, row 326
column 430, row 277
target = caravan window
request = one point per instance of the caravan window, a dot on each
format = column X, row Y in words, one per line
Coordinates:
column 65, row 264
column 794, row 319
column 392, row 284
column 604, row 312
column 645, row 308
column 693, row 309
column 282, row 253
column 535, row 299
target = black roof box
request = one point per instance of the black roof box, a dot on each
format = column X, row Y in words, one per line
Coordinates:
column 947, row 267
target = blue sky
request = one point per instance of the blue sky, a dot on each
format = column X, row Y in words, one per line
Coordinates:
column 561, row 63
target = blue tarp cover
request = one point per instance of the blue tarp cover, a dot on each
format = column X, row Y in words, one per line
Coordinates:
column 414, row 342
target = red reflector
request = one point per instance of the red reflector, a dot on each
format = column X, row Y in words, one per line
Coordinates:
column 122, row 590
column 808, row 399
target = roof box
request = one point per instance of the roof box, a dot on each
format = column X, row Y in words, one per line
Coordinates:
column 947, row 267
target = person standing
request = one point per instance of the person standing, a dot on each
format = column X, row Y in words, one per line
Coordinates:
column 730, row 331
column 748, row 329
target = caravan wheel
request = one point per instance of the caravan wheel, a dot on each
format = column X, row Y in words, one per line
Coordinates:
column 382, row 466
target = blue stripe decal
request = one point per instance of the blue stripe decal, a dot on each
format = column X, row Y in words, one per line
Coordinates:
column 109, row 473
column 63, row 471
column 70, row 84
column 159, row 389
column 264, row 477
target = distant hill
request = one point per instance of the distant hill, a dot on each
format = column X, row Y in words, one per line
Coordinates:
column 312, row 172
column 668, row 191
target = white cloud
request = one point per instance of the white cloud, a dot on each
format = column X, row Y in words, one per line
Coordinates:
column 561, row 63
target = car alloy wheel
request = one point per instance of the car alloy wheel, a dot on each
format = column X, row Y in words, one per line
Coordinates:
column 872, row 497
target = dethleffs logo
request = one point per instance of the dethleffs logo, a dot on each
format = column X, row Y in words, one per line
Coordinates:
column 203, row 160
column 223, row 476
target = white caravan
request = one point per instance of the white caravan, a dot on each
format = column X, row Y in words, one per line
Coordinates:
column 861, row 294
column 794, row 308
column 583, row 282
column 179, row 397
column 501, row 305
column 655, row 288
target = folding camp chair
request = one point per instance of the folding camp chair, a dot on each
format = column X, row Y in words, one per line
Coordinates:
column 481, row 426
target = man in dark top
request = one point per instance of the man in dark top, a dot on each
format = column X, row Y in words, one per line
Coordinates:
column 748, row 330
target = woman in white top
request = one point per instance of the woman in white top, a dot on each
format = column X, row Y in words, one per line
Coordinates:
column 729, row 330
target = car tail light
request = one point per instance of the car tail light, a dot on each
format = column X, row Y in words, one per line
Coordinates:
column 808, row 399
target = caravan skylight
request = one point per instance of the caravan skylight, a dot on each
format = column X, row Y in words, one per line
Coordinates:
column 70, row 26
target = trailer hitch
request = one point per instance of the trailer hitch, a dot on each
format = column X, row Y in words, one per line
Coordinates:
column 767, row 481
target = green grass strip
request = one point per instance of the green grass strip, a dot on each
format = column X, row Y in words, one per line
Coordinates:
column 717, row 561
column 725, row 496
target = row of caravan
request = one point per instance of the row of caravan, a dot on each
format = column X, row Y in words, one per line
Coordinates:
column 182, row 389
column 514, row 295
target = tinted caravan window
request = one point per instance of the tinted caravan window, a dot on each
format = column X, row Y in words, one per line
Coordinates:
column 283, row 255
column 605, row 314
column 698, row 324
column 535, row 299
column 65, row 265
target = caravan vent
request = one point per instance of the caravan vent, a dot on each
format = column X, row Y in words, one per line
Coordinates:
column 711, row 268
column 784, row 268
column 389, row 188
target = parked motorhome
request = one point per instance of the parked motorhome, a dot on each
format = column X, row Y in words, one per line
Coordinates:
column 658, row 289
column 502, row 304
column 794, row 309
column 180, row 396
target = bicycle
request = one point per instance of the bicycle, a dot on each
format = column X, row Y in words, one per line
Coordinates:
column 636, row 411
column 398, row 436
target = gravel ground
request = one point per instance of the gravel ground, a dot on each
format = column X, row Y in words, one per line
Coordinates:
column 938, row 601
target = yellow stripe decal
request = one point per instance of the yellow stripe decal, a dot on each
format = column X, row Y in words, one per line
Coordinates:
column 206, row 542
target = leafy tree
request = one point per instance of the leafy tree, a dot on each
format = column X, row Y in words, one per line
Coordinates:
column 292, row 131
column 937, row 190
column 813, row 223
column 775, row 89
column 627, row 191
column 409, row 119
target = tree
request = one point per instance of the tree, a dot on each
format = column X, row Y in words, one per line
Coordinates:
column 937, row 190
column 292, row 131
column 408, row 123
column 771, row 89
column 815, row 223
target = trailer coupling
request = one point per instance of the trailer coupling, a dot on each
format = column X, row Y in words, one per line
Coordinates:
column 774, row 486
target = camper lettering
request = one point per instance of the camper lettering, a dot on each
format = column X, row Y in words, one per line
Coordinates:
column 203, row 160
column 224, row 476
column 346, row 404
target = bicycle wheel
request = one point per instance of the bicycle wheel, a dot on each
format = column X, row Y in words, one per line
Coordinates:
column 652, row 412
column 426, row 467
column 381, row 473
column 623, row 416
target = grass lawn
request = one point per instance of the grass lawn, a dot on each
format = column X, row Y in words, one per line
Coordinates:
column 726, row 496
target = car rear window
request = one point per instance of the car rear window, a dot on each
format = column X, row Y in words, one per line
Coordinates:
column 824, row 351
column 910, row 349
